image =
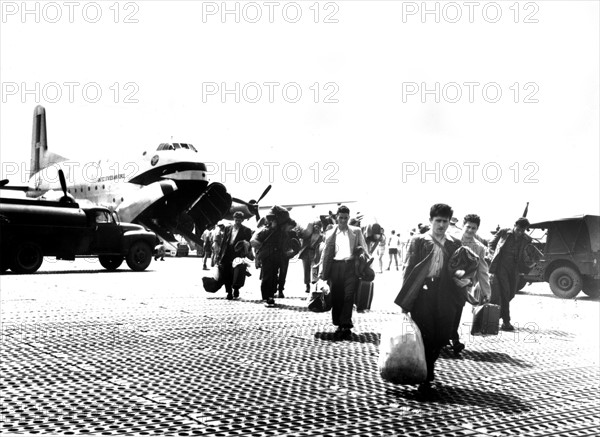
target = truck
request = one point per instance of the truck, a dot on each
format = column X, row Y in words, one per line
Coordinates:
column 571, row 255
column 31, row 229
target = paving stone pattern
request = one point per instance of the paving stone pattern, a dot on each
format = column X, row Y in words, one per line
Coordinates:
column 92, row 352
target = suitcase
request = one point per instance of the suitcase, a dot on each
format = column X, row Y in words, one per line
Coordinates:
column 485, row 319
column 364, row 296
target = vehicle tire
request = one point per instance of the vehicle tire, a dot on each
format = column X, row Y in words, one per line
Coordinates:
column 139, row 256
column 110, row 262
column 27, row 258
column 521, row 284
column 565, row 282
column 591, row 287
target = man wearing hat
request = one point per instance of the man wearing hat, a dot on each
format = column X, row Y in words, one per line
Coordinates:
column 273, row 248
column 235, row 244
column 508, row 252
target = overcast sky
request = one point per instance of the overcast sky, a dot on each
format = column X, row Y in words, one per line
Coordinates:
column 483, row 105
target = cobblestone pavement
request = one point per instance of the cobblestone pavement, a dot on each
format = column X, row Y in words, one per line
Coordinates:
column 85, row 351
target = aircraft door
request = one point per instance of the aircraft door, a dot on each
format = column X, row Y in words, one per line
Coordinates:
column 107, row 233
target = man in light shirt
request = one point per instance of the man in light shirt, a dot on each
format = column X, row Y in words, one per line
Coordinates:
column 482, row 277
column 338, row 268
column 393, row 248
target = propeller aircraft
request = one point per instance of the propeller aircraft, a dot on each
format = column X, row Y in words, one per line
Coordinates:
column 165, row 189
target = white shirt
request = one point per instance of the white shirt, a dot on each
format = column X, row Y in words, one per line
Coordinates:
column 234, row 232
column 437, row 261
column 342, row 244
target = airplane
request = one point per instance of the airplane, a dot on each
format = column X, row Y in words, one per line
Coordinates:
column 166, row 189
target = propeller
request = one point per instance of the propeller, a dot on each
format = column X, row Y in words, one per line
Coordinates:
column 63, row 185
column 3, row 182
column 253, row 204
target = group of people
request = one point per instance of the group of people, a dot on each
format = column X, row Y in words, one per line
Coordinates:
column 433, row 296
column 329, row 257
column 395, row 249
column 271, row 247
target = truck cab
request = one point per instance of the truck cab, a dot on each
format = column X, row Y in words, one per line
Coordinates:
column 31, row 229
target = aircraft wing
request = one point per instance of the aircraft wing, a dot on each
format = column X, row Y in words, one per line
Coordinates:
column 13, row 187
column 294, row 205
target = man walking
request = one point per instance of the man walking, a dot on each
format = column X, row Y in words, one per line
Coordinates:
column 469, row 239
column 393, row 247
column 338, row 268
column 428, row 291
column 235, row 244
column 273, row 250
column 311, row 240
column 207, row 243
column 508, row 251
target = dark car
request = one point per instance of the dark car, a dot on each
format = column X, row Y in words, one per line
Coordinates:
column 571, row 255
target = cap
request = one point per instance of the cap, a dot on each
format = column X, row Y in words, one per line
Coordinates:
column 238, row 214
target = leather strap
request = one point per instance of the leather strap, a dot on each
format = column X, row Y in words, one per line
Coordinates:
column 441, row 247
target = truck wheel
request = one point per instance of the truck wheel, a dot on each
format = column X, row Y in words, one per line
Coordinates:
column 139, row 256
column 565, row 282
column 591, row 287
column 27, row 258
column 110, row 262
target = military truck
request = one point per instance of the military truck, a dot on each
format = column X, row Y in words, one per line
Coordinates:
column 571, row 255
column 31, row 229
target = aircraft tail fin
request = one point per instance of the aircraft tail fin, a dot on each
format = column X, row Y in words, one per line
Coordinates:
column 40, row 156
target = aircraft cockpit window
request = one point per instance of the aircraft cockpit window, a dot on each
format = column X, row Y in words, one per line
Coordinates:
column 165, row 146
column 103, row 217
column 175, row 146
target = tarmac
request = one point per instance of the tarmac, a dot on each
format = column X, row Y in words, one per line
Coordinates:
column 85, row 351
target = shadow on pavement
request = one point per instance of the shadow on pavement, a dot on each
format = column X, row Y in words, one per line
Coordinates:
column 363, row 337
column 488, row 357
column 480, row 399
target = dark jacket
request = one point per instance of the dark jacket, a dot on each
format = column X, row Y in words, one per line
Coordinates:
column 309, row 247
column 244, row 234
column 418, row 261
column 497, row 243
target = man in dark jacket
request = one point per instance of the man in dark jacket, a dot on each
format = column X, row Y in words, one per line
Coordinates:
column 429, row 292
column 235, row 244
column 508, row 253
column 273, row 246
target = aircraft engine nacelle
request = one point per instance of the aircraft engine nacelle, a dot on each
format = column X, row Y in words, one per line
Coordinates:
column 210, row 207
column 141, row 200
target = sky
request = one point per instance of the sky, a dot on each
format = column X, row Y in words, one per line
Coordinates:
column 484, row 106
